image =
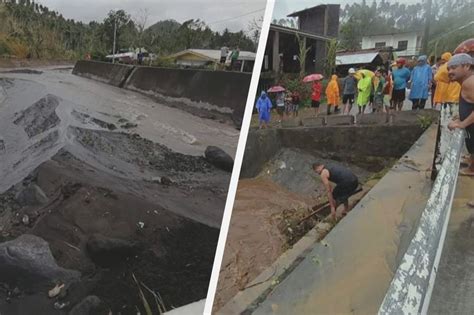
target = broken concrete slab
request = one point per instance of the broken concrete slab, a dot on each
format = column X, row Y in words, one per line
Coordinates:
column 32, row 195
column 219, row 158
column 291, row 123
column 340, row 120
column 314, row 122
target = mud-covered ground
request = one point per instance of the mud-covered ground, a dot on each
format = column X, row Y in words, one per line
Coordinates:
column 268, row 215
column 75, row 166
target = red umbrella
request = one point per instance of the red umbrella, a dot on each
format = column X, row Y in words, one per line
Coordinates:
column 313, row 77
column 276, row 89
column 466, row 46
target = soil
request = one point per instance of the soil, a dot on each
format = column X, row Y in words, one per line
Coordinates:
column 268, row 214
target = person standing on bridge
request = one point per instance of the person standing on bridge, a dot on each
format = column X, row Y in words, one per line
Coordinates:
column 400, row 75
column 349, row 90
column 364, row 87
column 346, row 185
column 460, row 69
column 316, row 96
column 264, row 106
column 447, row 91
column 332, row 95
column 420, row 82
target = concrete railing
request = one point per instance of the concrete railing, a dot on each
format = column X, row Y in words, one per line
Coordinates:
column 411, row 288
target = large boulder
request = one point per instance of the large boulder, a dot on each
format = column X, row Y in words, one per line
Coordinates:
column 27, row 262
column 107, row 251
column 219, row 158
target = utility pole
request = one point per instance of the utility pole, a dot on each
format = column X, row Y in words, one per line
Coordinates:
column 115, row 36
column 424, row 46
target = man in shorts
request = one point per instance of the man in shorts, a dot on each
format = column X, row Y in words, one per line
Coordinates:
column 346, row 184
column 349, row 90
column 400, row 76
column 460, row 69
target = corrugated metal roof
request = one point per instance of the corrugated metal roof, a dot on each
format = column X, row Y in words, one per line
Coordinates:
column 356, row 58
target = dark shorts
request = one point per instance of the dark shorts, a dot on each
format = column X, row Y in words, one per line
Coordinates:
column 223, row 59
column 371, row 98
column 348, row 98
column 398, row 96
column 280, row 110
column 418, row 103
column 470, row 139
column 343, row 191
column 315, row 104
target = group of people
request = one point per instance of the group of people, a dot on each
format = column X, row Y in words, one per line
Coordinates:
column 384, row 90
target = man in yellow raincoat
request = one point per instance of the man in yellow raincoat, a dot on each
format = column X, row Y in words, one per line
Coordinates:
column 447, row 92
column 332, row 94
column 364, row 86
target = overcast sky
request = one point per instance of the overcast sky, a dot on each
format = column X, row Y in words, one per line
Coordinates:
column 219, row 14
column 285, row 7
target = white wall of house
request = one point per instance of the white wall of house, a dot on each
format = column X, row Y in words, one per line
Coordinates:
column 413, row 42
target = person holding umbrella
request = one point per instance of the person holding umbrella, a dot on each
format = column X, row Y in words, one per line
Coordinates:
column 280, row 100
column 317, row 88
column 264, row 107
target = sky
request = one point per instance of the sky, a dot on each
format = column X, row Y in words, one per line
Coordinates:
column 218, row 14
column 285, row 7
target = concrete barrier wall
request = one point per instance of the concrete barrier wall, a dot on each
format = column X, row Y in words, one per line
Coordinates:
column 220, row 88
column 113, row 74
column 261, row 146
column 377, row 140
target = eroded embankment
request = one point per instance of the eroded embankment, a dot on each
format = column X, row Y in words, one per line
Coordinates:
column 119, row 213
column 280, row 189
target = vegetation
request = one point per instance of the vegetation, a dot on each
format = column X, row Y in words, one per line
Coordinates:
column 449, row 22
column 31, row 30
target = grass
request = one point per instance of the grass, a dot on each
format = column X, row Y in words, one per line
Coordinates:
column 160, row 305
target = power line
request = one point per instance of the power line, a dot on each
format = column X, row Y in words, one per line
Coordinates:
column 235, row 17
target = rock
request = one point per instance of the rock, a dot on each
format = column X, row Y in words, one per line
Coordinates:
column 27, row 262
column 166, row 181
column 88, row 306
column 129, row 126
column 31, row 196
column 106, row 251
column 219, row 158
column 25, row 219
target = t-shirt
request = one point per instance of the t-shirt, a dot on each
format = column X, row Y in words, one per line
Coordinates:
column 339, row 174
column 400, row 78
column 349, row 85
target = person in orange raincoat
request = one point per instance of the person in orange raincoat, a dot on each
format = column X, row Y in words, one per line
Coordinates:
column 332, row 95
column 447, row 92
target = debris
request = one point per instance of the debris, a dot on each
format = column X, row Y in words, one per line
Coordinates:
column 55, row 291
column 25, row 219
column 60, row 306
column 141, row 225
column 282, row 165
column 166, row 181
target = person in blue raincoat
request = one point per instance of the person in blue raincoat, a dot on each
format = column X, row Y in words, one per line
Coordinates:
column 421, row 78
column 264, row 106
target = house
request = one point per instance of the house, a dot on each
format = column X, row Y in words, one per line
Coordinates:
column 366, row 58
column 405, row 44
column 316, row 27
column 195, row 58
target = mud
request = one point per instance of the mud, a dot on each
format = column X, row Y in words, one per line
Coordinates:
column 93, row 176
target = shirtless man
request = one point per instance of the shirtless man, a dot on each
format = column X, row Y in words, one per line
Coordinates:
column 346, row 184
column 461, row 69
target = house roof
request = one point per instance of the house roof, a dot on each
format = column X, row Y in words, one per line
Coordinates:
column 295, row 31
column 298, row 13
column 213, row 54
column 352, row 58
